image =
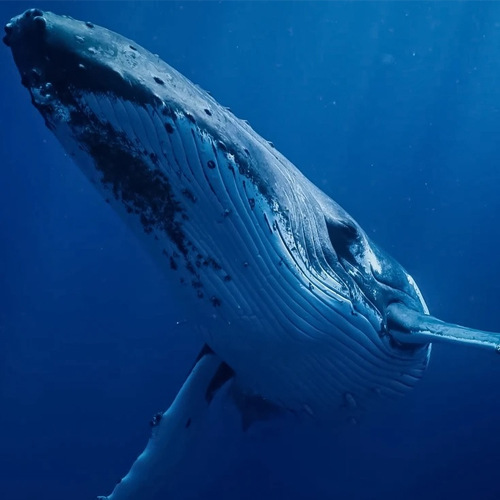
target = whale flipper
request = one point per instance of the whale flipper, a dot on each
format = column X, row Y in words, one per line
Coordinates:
column 175, row 432
column 413, row 327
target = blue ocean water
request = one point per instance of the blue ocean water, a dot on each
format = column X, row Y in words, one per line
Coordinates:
column 392, row 108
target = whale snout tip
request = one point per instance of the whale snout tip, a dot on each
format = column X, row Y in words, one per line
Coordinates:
column 32, row 22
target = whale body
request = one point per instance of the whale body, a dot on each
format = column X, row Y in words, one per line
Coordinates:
column 296, row 308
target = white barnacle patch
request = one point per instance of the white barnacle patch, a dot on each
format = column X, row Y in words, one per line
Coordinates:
column 42, row 95
column 412, row 283
column 61, row 113
column 131, row 59
column 372, row 260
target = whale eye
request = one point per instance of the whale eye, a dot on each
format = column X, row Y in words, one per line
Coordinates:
column 344, row 237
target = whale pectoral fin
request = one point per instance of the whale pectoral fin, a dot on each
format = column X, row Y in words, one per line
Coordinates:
column 175, row 432
column 412, row 327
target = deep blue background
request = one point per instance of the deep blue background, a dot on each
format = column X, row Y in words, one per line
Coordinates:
column 394, row 110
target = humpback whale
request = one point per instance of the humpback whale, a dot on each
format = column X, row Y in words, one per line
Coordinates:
column 298, row 311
